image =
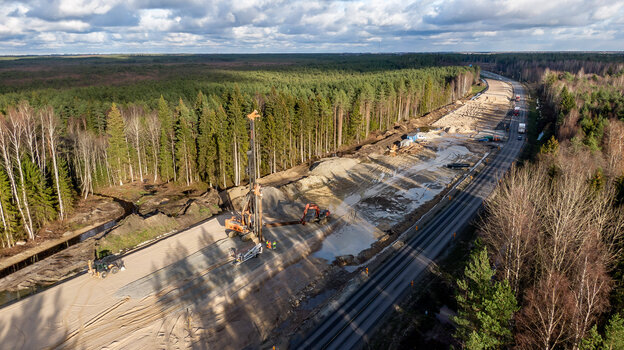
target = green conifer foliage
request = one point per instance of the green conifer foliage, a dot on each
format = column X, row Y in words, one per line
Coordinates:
column 9, row 215
column 117, row 149
column 40, row 196
column 65, row 185
column 185, row 144
column 485, row 306
column 166, row 141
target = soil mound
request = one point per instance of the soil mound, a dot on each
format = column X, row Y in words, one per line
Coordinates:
column 333, row 167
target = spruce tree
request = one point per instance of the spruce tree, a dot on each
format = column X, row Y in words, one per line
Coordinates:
column 40, row 197
column 9, row 215
column 65, row 186
column 185, row 144
column 117, row 149
column 206, row 146
column 485, row 306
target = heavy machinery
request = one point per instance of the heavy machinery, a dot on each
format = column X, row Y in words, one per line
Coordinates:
column 240, row 258
column 320, row 216
column 101, row 268
column 249, row 220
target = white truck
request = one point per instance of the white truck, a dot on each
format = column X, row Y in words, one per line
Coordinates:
column 521, row 128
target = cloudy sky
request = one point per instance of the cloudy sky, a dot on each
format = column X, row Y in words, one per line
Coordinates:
column 257, row 26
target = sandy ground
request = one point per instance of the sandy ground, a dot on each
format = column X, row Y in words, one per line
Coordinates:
column 183, row 292
column 480, row 114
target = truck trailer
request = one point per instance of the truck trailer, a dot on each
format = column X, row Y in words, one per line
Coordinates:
column 521, row 128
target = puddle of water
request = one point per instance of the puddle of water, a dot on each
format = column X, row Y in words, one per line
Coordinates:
column 315, row 301
column 349, row 239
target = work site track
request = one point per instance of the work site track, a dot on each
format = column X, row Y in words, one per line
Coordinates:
column 413, row 249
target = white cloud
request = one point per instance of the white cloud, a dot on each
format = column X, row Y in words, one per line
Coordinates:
column 156, row 20
column 85, row 7
column 309, row 25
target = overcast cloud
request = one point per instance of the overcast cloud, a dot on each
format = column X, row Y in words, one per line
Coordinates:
column 258, row 26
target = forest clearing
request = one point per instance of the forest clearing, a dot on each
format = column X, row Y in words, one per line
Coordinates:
column 183, row 290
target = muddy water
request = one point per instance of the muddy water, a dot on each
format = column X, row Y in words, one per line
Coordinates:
column 349, row 239
column 395, row 192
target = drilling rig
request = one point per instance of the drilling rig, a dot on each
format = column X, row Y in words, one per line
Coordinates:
column 249, row 220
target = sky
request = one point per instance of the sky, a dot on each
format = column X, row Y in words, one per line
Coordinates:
column 258, row 26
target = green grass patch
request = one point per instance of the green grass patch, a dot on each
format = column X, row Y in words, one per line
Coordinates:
column 117, row 243
column 477, row 89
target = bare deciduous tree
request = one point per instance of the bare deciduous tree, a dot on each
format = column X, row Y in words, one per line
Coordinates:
column 543, row 321
column 16, row 121
column 152, row 124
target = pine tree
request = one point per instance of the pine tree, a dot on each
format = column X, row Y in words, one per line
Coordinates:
column 354, row 127
column 614, row 333
column 427, row 96
column 117, row 150
column 238, row 129
column 592, row 341
column 485, row 306
column 550, row 147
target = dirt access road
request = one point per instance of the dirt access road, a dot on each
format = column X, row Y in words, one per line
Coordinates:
column 183, row 292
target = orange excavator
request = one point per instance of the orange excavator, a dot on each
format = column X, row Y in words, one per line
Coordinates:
column 320, row 216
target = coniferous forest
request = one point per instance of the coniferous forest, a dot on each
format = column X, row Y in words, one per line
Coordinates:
column 93, row 122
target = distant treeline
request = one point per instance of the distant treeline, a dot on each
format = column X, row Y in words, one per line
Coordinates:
column 532, row 67
column 189, row 130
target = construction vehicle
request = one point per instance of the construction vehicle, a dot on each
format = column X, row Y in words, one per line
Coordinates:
column 249, row 220
column 101, row 268
column 320, row 215
column 521, row 128
column 240, row 258
column 458, row 165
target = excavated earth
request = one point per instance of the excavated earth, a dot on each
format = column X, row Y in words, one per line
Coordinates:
column 184, row 291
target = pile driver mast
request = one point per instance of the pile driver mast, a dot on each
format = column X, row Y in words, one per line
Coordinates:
column 255, row 195
column 250, row 220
